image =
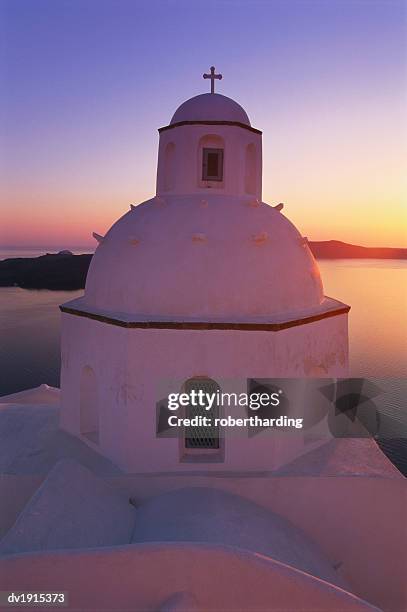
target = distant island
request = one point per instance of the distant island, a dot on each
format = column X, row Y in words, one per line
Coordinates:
column 64, row 271
column 61, row 271
column 335, row 249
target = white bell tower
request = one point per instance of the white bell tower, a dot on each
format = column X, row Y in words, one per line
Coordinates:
column 199, row 152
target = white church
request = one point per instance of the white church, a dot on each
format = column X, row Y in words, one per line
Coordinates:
column 203, row 281
column 202, row 286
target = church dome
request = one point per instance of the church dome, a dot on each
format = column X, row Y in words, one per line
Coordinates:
column 210, row 107
column 183, row 257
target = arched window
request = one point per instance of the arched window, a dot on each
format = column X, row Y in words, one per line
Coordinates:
column 201, row 438
column 250, row 169
column 169, row 167
column 89, row 410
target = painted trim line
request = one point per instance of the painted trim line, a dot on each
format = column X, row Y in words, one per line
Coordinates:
column 235, row 123
column 205, row 324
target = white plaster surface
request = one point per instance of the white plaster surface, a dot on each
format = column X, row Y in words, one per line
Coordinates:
column 338, row 513
column 343, row 457
column 71, row 509
column 31, row 442
column 180, row 161
column 220, row 578
column 43, row 394
column 180, row 602
column 199, row 514
column 130, row 365
column 229, row 275
column 210, row 107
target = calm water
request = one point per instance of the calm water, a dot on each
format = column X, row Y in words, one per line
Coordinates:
column 375, row 289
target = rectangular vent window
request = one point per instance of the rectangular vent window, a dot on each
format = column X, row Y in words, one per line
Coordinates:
column 212, row 165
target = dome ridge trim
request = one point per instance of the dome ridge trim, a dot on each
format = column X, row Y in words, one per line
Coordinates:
column 208, row 325
column 213, row 122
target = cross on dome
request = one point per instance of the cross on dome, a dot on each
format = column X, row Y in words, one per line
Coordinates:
column 212, row 76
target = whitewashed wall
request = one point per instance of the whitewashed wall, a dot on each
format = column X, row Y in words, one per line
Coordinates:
column 130, row 364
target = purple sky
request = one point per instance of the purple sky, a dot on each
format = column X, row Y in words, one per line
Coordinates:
column 88, row 82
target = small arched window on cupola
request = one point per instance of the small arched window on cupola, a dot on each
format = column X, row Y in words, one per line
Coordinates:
column 211, row 161
column 169, row 167
column 250, row 169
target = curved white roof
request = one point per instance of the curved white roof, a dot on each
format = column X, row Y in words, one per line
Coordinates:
column 184, row 257
column 210, row 107
column 201, row 514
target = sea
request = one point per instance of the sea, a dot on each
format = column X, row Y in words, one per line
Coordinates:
column 375, row 289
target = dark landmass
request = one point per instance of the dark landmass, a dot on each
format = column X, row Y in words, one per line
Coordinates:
column 59, row 272
column 334, row 249
column 64, row 271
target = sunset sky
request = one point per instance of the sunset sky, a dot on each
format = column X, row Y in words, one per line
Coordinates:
column 86, row 83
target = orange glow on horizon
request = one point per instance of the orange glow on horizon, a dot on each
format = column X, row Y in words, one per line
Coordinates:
column 324, row 81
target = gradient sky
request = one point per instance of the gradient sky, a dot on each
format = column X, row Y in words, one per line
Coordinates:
column 86, row 83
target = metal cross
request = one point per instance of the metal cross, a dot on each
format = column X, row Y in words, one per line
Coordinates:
column 212, row 76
